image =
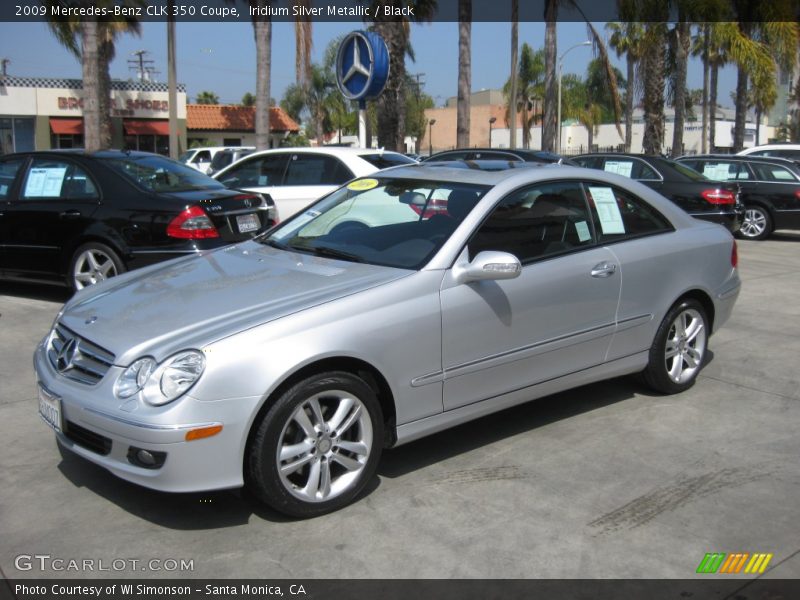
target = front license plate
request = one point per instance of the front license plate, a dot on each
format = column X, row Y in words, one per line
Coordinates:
column 247, row 223
column 50, row 408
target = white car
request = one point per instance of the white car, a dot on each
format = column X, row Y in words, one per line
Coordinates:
column 296, row 177
column 200, row 158
column 790, row 151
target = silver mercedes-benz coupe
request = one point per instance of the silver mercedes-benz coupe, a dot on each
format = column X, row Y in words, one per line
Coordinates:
column 395, row 307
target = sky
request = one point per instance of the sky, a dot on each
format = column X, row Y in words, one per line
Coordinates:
column 220, row 57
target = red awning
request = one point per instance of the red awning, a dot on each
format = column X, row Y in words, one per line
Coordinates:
column 133, row 127
column 67, row 126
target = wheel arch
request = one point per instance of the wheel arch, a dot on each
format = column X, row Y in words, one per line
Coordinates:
column 705, row 301
column 86, row 238
column 369, row 373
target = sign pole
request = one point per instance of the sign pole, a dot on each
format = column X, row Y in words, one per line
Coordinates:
column 362, row 124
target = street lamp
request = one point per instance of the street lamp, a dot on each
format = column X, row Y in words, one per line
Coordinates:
column 560, row 69
column 491, row 122
column 430, row 137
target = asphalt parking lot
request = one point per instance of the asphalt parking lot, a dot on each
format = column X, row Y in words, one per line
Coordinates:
column 605, row 481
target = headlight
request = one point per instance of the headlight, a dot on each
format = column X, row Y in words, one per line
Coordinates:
column 162, row 383
column 134, row 378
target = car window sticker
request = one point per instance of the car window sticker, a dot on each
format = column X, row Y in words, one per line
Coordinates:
column 45, row 182
column 361, row 185
column 607, row 210
column 620, row 167
column 583, row 231
column 717, row 171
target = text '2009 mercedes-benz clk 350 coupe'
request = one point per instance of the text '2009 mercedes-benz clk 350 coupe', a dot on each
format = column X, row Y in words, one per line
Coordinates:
column 397, row 306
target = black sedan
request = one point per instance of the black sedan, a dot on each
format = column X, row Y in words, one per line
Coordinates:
column 515, row 155
column 770, row 189
column 693, row 192
column 78, row 218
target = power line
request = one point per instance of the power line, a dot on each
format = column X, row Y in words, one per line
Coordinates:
column 142, row 66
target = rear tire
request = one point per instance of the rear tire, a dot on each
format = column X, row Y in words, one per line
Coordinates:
column 757, row 223
column 92, row 263
column 317, row 447
column 679, row 349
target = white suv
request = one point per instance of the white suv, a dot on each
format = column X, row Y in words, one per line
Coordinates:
column 200, row 158
column 790, row 151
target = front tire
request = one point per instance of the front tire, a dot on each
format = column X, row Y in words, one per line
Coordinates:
column 92, row 263
column 757, row 223
column 679, row 349
column 317, row 447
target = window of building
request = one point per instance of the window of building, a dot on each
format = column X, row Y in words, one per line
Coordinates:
column 148, row 143
column 8, row 172
column 16, row 135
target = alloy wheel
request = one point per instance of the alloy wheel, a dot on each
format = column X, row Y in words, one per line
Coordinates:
column 92, row 266
column 754, row 224
column 685, row 346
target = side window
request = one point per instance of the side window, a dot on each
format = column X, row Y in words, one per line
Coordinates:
column 8, row 172
column 722, row 170
column 643, row 171
column 203, row 156
column 537, row 222
column 50, row 178
column 316, row 169
column 589, row 162
column 619, row 215
column 766, row 172
column 260, row 171
column 453, row 156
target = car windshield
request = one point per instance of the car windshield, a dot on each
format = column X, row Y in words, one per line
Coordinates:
column 159, row 174
column 387, row 159
column 186, row 156
column 383, row 221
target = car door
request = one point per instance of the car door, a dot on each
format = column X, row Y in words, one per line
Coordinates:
column 778, row 186
column 556, row 317
column 55, row 202
column 10, row 168
column 309, row 176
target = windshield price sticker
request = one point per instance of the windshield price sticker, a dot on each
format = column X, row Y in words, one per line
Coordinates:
column 362, row 185
column 607, row 210
column 45, row 182
column 623, row 168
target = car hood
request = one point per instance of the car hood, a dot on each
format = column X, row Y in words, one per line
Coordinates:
column 194, row 301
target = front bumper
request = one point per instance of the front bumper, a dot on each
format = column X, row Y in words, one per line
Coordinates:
column 103, row 429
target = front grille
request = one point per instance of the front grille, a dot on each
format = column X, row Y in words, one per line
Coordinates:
column 76, row 357
column 90, row 440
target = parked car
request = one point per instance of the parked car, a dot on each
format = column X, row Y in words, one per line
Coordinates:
column 223, row 158
column 200, row 159
column 296, row 177
column 769, row 189
column 288, row 362
column 790, row 151
column 692, row 191
column 517, row 154
column 78, row 218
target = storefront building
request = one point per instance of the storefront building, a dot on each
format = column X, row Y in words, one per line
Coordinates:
column 232, row 125
column 47, row 113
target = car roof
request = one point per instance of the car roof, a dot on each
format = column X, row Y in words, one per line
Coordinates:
column 481, row 173
column 87, row 154
column 536, row 155
column 327, row 150
column 742, row 158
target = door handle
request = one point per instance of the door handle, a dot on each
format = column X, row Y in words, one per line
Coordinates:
column 604, row 269
column 70, row 214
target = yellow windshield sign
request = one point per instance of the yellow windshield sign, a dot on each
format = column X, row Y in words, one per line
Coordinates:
column 362, row 185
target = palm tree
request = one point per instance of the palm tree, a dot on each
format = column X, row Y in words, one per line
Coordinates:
column 397, row 35
column 206, row 97
column 530, row 87
column 512, row 122
column 680, row 45
column 303, row 43
column 626, row 38
column 262, row 32
column 549, row 128
column 464, row 72
column 95, row 47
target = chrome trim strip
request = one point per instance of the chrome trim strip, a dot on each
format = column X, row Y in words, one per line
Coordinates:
column 426, row 379
column 152, row 426
column 184, row 252
column 632, row 322
column 517, row 353
column 29, row 246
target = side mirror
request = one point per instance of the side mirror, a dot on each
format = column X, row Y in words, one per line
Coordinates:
column 489, row 265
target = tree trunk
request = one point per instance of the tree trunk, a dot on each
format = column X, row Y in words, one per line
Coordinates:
column 549, row 125
column 391, row 104
column 262, row 29
column 653, row 138
column 712, row 108
column 741, row 109
column 704, row 135
column 90, row 56
column 629, row 103
column 105, row 52
column 514, row 52
column 526, row 130
column 590, row 137
column 682, row 40
column 464, row 72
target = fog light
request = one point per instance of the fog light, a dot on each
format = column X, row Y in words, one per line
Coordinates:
column 147, row 459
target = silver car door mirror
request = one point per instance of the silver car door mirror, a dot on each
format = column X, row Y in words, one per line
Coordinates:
column 489, row 265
